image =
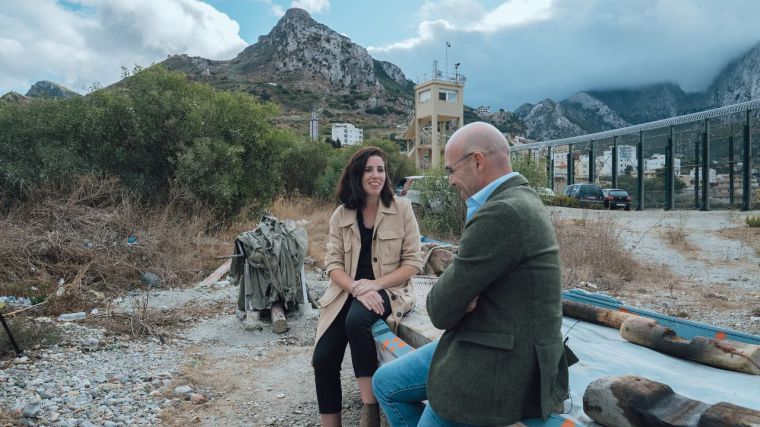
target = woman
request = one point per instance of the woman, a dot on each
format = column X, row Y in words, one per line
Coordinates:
column 372, row 251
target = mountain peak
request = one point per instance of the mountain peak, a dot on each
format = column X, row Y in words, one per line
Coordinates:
column 297, row 13
column 48, row 89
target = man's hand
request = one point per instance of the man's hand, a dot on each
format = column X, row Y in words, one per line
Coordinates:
column 362, row 286
column 471, row 306
column 372, row 301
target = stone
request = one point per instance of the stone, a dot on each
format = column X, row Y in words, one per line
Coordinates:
column 182, row 390
column 32, row 410
column 197, row 399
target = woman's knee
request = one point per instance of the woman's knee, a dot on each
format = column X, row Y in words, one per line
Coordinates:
column 359, row 321
column 325, row 361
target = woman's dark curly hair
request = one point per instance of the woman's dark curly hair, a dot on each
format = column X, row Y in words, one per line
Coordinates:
column 350, row 191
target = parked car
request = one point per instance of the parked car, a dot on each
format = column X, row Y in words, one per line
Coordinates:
column 616, row 198
column 588, row 195
column 410, row 187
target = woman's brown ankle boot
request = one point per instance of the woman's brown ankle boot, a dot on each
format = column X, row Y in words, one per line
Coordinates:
column 370, row 415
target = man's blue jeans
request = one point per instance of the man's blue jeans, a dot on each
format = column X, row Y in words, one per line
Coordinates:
column 401, row 387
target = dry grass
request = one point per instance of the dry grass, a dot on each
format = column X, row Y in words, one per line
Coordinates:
column 316, row 213
column 143, row 321
column 7, row 419
column 748, row 236
column 78, row 234
column 676, row 239
column 591, row 252
column 28, row 334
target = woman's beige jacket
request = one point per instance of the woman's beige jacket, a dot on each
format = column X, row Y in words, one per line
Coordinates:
column 395, row 242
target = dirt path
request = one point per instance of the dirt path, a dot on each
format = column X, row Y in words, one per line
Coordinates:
column 251, row 375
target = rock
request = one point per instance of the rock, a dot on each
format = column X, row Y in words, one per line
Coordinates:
column 109, row 387
column 54, row 416
column 182, row 390
column 197, row 399
column 91, row 342
column 32, row 410
column 21, row 360
column 280, row 395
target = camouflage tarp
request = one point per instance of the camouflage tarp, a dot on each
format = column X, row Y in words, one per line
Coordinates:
column 269, row 269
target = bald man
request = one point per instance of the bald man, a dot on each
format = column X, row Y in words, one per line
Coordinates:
column 501, row 358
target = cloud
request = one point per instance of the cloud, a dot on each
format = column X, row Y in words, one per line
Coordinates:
column 517, row 51
column 312, row 6
column 87, row 41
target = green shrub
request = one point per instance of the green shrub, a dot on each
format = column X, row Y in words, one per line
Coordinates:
column 444, row 214
column 304, row 162
column 562, row 200
column 533, row 170
column 152, row 129
column 753, row 220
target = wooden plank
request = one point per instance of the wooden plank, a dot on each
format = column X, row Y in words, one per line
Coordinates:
column 684, row 328
column 279, row 322
column 217, row 274
column 631, row 401
column 598, row 315
column 724, row 354
column 416, row 329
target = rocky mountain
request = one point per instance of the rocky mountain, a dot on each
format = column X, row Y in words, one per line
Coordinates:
column 547, row 120
column 738, row 82
column 304, row 65
column 47, row 89
column 598, row 110
column 15, row 98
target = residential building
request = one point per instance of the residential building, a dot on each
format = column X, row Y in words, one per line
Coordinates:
column 347, row 134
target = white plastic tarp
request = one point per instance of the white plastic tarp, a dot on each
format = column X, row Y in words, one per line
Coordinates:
column 603, row 352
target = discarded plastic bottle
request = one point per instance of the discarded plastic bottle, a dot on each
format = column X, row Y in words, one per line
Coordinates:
column 69, row 317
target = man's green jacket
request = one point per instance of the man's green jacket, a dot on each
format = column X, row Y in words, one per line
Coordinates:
column 503, row 361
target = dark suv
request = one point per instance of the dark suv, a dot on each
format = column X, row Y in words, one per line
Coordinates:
column 616, row 198
column 588, row 195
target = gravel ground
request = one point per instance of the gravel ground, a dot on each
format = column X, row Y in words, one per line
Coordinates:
column 219, row 371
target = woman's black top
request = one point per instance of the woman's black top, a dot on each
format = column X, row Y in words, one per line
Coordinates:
column 364, row 269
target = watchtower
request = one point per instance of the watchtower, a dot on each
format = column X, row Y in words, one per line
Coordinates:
column 438, row 112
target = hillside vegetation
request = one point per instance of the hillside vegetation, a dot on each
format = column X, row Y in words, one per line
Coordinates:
column 156, row 131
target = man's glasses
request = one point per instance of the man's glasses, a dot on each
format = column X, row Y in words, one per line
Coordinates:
column 450, row 169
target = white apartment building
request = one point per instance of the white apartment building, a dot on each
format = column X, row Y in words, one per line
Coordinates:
column 657, row 161
column 347, row 134
column 626, row 157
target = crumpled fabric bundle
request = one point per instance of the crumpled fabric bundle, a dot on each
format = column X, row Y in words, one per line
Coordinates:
column 268, row 265
column 436, row 257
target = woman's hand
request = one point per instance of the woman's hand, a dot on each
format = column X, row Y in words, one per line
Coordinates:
column 362, row 286
column 372, row 301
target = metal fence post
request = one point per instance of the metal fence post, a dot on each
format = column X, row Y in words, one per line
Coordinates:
column 696, row 172
column 747, row 168
column 670, row 187
column 550, row 168
column 570, row 166
column 731, row 198
column 615, row 157
column 705, row 169
column 640, row 171
column 591, row 162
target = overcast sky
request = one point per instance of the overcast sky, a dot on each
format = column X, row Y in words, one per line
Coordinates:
column 512, row 52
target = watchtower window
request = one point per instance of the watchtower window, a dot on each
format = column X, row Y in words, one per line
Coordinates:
column 425, row 96
column 447, row 95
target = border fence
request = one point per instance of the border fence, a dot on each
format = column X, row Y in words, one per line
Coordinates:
column 705, row 160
